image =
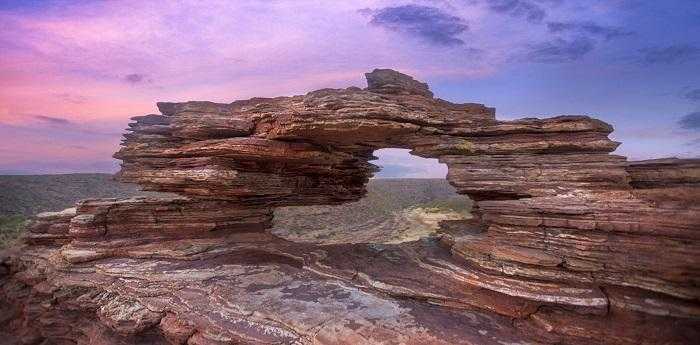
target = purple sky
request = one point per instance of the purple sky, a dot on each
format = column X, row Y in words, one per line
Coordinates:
column 72, row 73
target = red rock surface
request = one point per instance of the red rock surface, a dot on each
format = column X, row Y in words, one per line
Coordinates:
column 569, row 244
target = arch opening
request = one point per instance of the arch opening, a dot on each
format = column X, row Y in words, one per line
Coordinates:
column 400, row 163
column 406, row 200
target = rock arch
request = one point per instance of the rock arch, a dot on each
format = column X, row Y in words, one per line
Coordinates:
column 325, row 139
column 570, row 244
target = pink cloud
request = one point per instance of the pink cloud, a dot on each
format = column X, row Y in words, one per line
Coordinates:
column 220, row 51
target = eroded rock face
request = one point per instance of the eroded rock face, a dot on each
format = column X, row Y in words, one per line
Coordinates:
column 569, row 244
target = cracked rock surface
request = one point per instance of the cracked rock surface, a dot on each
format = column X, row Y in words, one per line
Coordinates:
column 568, row 244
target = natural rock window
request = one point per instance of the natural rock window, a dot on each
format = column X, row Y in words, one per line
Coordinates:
column 567, row 244
column 400, row 163
column 406, row 200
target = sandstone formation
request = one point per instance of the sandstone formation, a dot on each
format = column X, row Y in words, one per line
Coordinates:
column 569, row 244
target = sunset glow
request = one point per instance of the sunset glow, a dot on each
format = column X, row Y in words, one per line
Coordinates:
column 73, row 73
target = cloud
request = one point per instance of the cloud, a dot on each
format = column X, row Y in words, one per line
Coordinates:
column 560, row 50
column 44, row 148
column 677, row 53
column 53, row 120
column 518, row 8
column 56, row 126
column 588, row 27
column 692, row 95
column 427, row 23
column 577, row 38
column 690, row 121
column 134, row 78
column 70, row 98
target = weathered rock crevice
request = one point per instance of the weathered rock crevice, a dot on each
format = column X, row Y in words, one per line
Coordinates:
column 568, row 244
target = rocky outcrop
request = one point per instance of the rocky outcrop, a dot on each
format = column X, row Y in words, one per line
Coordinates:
column 569, row 244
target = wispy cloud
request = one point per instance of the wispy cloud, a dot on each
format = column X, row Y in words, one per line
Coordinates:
column 574, row 40
column 135, row 78
column 529, row 10
column 690, row 121
column 68, row 129
column 70, row 98
column 53, row 120
column 47, row 148
column 430, row 24
column 560, row 50
column 588, row 28
column 692, row 95
column 677, row 53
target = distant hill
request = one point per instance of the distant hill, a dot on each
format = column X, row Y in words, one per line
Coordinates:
column 13, row 172
column 30, row 194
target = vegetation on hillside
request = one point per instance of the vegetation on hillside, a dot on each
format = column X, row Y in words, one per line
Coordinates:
column 10, row 229
column 31, row 194
column 22, row 196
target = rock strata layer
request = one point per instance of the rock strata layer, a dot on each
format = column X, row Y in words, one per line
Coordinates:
column 569, row 244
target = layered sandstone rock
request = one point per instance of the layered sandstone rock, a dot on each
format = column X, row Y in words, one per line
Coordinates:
column 569, row 244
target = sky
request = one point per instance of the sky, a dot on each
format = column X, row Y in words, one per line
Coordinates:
column 72, row 73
